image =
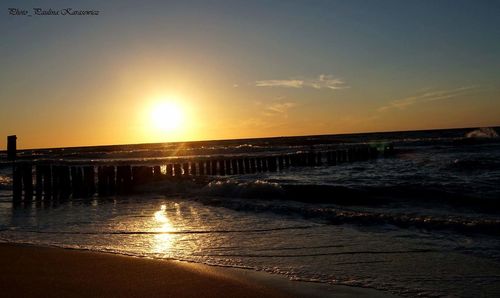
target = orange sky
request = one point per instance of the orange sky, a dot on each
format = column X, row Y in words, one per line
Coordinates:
column 246, row 70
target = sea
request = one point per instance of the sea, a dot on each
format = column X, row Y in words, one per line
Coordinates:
column 423, row 222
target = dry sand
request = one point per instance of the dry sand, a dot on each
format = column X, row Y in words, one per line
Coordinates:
column 28, row 271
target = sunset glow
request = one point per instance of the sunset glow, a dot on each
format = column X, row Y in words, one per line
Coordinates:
column 196, row 71
column 167, row 116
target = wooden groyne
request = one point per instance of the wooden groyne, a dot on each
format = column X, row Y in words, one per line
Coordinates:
column 47, row 181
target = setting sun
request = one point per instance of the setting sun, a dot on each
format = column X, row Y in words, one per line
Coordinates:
column 167, row 116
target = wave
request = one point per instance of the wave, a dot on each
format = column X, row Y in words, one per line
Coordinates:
column 338, row 216
column 371, row 252
column 163, row 232
column 483, row 132
column 360, row 195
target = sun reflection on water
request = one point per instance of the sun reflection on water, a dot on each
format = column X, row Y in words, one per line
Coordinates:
column 164, row 240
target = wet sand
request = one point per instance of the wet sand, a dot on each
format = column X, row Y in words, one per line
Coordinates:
column 29, row 271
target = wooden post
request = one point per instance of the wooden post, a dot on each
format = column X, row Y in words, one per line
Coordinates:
column 111, row 179
column 241, row 169
column 227, row 165
column 39, row 182
column 17, row 186
column 213, row 167
column 222, row 167
column 76, row 181
column 169, row 170
column 258, row 164
column 246, row 161
column 55, row 182
column 253, row 168
column 201, row 168
column 280, row 163
column 89, row 180
column 157, row 175
column 27, row 173
column 185, row 168
column 234, row 167
column 65, row 181
column 11, row 147
column 271, row 163
column 319, row 159
column 101, row 181
column 264, row 164
column 17, row 183
column 177, row 170
column 123, row 179
column 47, row 183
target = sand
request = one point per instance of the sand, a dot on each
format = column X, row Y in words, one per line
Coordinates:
column 29, row 271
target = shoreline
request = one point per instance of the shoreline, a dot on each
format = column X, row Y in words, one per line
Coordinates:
column 34, row 271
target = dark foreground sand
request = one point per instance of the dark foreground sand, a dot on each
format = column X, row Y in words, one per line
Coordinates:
column 28, row 271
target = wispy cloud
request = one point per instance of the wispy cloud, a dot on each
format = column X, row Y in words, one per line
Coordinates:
column 280, row 107
column 321, row 82
column 277, row 107
column 427, row 96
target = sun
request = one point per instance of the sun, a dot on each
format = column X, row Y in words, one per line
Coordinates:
column 167, row 116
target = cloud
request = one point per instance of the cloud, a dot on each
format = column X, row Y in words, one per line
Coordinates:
column 321, row 82
column 277, row 107
column 427, row 96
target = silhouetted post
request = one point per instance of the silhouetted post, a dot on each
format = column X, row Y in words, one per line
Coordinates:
column 47, row 182
column 258, row 164
column 286, row 161
column 246, row 162
column 177, row 170
column 208, row 167
column 157, row 173
column 100, row 181
column 234, row 167
column 241, row 169
column 319, row 158
column 227, row 165
column 280, row 163
column 169, row 170
column 66, row 182
column 28, row 181
column 76, row 181
column 222, row 167
column 55, row 182
column 123, row 179
column 17, row 186
column 271, row 164
column 38, row 183
column 253, row 168
column 264, row 164
column 201, row 168
column 311, row 158
column 11, row 147
column 213, row 167
column 193, row 166
column 185, row 168
column 89, row 180
column 17, row 183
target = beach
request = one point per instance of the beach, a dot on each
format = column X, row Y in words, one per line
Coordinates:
column 29, row 271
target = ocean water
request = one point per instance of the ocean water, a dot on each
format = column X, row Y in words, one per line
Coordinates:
column 424, row 222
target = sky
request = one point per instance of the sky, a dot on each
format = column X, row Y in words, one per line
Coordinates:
column 244, row 69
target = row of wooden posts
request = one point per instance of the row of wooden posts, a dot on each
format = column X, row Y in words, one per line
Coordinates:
column 59, row 182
